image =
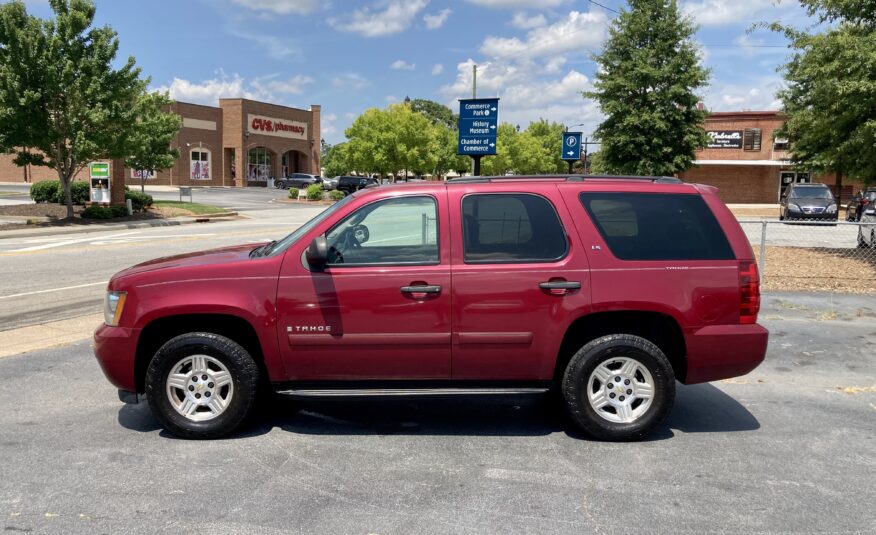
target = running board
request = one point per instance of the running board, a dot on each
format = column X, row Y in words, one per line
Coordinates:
column 379, row 392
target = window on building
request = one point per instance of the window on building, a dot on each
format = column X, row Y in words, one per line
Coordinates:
column 780, row 143
column 511, row 228
column 200, row 164
column 399, row 231
column 657, row 226
column 751, row 139
column 260, row 163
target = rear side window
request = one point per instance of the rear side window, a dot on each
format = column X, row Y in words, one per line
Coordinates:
column 657, row 226
column 511, row 228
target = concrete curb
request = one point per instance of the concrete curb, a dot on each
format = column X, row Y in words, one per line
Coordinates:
column 97, row 227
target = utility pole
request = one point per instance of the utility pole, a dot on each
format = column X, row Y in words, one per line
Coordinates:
column 475, row 160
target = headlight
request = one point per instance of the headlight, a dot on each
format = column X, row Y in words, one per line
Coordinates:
column 113, row 304
column 794, row 207
column 831, row 209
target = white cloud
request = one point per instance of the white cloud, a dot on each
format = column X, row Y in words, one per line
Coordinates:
column 272, row 85
column 270, row 88
column 395, row 17
column 281, row 7
column 719, row 12
column 437, row 69
column 327, row 125
column 525, row 22
column 527, row 93
column 519, row 4
column 402, row 65
column 577, row 32
column 350, row 81
column 436, row 20
column 756, row 94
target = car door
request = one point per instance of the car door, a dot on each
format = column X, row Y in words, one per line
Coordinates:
column 519, row 276
column 381, row 307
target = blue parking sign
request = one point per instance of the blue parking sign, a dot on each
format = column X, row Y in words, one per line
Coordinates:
column 571, row 146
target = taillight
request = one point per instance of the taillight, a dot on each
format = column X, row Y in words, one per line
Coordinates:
column 865, row 202
column 749, row 292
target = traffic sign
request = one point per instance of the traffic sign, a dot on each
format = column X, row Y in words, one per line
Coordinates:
column 478, row 121
column 571, row 146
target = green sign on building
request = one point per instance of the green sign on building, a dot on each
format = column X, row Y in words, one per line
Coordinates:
column 99, row 170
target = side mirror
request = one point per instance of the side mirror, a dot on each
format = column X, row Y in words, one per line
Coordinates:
column 317, row 253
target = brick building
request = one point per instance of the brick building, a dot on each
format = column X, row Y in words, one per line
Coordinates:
column 748, row 162
column 240, row 143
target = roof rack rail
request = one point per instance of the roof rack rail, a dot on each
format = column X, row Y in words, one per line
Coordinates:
column 568, row 178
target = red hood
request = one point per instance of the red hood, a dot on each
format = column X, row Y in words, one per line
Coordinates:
column 236, row 253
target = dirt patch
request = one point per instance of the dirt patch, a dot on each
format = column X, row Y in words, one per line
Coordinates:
column 772, row 213
column 57, row 215
column 819, row 270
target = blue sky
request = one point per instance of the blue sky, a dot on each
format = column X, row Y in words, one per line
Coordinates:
column 350, row 56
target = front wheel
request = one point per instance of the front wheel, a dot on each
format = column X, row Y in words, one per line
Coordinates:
column 201, row 385
column 619, row 387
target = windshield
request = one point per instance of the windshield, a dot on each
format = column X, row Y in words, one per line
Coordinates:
column 811, row 193
column 283, row 244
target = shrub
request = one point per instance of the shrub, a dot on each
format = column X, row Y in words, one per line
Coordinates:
column 97, row 212
column 293, row 193
column 104, row 212
column 44, row 191
column 80, row 192
column 139, row 201
column 314, row 192
column 336, row 195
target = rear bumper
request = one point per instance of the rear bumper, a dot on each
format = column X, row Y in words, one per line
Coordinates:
column 115, row 349
column 724, row 351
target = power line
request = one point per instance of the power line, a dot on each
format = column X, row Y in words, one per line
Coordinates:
column 604, row 7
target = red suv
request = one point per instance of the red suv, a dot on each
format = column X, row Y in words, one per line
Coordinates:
column 608, row 289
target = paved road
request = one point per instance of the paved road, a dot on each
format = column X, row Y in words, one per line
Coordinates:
column 55, row 277
column 787, row 449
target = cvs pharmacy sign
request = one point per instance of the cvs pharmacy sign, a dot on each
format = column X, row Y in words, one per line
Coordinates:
column 272, row 126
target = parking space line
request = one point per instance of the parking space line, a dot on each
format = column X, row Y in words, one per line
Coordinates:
column 53, row 290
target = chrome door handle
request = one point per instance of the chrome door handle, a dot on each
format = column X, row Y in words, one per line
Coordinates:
column 560, row 285
column 425, row 289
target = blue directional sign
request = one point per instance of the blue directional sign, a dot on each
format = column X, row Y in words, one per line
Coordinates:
column 478, row 120
column 571, row 146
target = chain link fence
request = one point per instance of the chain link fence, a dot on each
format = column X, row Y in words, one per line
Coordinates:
column 814, row 256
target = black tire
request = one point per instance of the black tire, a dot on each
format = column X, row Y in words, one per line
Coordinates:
column 244, row 378
column 577, row 378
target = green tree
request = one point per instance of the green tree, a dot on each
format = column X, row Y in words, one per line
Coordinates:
column 149, row 144
column 63, row 103
column 646, row 86
column 438, row 114
column 391, row 140
column 550, row 137
column 830, row 97
column 335, row 161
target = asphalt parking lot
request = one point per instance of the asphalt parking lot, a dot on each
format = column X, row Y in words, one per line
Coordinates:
column 788, row 448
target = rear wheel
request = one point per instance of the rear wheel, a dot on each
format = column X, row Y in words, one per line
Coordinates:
column 202, row 385
column 619, row 387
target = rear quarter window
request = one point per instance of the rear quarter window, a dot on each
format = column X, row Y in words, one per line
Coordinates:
column 657, row 226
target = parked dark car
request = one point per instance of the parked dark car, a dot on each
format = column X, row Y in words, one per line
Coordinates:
column 808, row 202
column 297, row 180
column 859, row 203
column 350, row 184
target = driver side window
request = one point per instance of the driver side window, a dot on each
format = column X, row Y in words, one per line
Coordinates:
column 402, row 230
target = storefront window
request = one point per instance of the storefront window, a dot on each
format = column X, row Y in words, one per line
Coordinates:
column 200, row 164
column 260, row 164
